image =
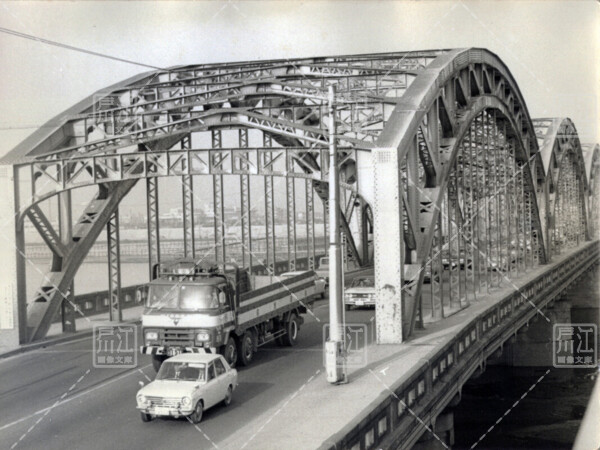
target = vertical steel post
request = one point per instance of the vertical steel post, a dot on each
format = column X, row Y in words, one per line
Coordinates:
column 64, row 229
column 114, row 268
column 218, row 200
column 188, row 205
column 290, row 189
column 310, row 225
column 153, row 223
column 269, row 210
column 245, row 203
column 336, row 369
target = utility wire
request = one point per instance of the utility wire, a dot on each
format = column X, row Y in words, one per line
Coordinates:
column 77, row 49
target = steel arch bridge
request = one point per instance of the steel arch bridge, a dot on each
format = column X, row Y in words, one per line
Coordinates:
column 440, row 163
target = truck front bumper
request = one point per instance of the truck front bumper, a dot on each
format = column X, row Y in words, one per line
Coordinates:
column 172, row 351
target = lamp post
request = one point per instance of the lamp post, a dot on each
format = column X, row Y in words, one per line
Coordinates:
column 334, row 347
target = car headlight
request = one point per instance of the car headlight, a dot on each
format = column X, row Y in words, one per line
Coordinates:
column 203, row 336
column 186, row 401
column 141, row 399
column 151, row 335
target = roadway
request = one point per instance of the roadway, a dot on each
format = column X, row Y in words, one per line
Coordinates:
column 98, row 411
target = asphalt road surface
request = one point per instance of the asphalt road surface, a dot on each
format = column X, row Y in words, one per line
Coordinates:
column 53, row 398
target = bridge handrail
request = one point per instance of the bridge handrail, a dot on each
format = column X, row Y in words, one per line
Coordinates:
column 431, row 385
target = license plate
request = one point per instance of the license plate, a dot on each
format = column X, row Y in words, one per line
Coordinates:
column 161, row 411
column 172, row 351
column 359, row 303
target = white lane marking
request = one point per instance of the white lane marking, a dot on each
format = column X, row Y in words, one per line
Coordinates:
column 81, row 394
column 56, row 403
column 142, row 372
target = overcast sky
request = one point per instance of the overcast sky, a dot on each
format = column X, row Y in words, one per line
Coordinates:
column 551, row 48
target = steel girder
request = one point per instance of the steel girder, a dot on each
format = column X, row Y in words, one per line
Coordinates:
column 566, row 183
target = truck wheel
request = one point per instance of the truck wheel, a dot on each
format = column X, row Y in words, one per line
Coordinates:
column 292, row 327
column 145, row 417
column 157, row 361
column 196, row 416
column 246, row 349
column 230, row 352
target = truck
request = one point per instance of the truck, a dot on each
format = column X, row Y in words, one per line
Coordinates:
column 211, row 308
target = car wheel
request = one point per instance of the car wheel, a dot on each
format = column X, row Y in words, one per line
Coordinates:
column 145, row 417
column 228, row 396
column 348, row 307
column 196, row 416
column 157, row 361
column 230, row 352
column 292, row 327
column 246, row 349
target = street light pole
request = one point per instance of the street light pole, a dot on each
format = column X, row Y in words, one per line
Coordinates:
column 334, row 347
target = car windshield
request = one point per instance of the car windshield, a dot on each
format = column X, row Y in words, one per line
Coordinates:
column 363, row 282
column 181, row 371
column 183, row 296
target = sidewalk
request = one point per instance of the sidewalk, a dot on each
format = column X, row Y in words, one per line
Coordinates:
column 83, row 325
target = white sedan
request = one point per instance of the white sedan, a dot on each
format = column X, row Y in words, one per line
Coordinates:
column 360, row 293
column 186, row 385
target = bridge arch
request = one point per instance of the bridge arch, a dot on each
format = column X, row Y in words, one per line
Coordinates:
column 566, row 183
column 464, row 93
column 430, row 120
column 591, row 156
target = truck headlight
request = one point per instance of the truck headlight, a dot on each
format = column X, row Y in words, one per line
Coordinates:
column 186, row 401
column 141, row 399
column 203, row 336
column 151, row 335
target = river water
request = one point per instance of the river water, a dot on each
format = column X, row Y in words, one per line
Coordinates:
column 549, row 416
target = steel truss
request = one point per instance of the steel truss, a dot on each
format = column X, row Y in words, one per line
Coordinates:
column 460, row 203
column 566, row 183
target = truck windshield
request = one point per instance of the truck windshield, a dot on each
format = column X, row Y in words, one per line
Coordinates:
column 169, row 296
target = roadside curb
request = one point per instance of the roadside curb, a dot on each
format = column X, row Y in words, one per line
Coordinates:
column 54, row 341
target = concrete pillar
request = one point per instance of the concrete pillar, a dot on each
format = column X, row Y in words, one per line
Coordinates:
column 389, row 245
column 13, row 318
column 444, row 431
column 533, row 345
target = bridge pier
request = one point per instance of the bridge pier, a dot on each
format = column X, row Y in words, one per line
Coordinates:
column 533, row 344
column 13, row 324
column 443, row 431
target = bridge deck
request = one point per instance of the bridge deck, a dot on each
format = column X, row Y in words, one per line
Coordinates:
column 283, row 401
column 318, row 411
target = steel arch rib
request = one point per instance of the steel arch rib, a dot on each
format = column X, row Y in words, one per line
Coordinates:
column 559, row 145
column 591, row 156
column 403, row 126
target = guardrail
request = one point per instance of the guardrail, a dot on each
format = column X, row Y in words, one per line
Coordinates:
column 174, row 247
column 95, row 303
column 431, row 386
